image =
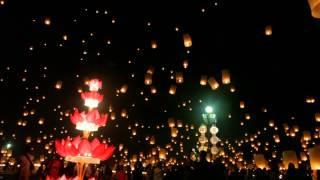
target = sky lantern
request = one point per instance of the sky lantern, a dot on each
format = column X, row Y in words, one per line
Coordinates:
column 226, row 79
column 124, row 89
column 162, row 154
column 203, row 80
column 303, row 156
column 148, row 79
column 315, row 8
column 123, row 113
column 268, row 30
column 306, row 136
column 187, row 41
column 242, row 105
column 154, row 44
column 153, row 90
column 152, row 140
column 171, row 122
column 58, row 85
column 174, row 132
column 213, row 83
column 260, row 161
column 317, row 117
column 314, row 155
column 179, row 77
column 289, row 157
column 185, row 64
column 276, row 138
column 47, row 21
column 310, row 100
column 271, row 123
column 172, row 89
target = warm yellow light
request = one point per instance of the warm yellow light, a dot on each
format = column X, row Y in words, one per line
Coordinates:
column 268, row 30
column 86, row 126
column 226, row 79
column 47, row 21
column 91, row 103
column 315, row 8
column 187, row 41
column 172, row 89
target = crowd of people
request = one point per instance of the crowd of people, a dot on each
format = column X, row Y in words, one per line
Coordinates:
column 55, row 169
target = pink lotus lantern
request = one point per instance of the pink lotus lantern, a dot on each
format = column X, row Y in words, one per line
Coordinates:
column 80, row 150
column 91, row 99
column 94, row 84
column 90, row 121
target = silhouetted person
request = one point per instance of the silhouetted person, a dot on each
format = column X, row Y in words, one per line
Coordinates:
column 219, row 170
column 260, row 175
column 26, row 164
column 291, row 172
column 137, row 173
column 203, row 169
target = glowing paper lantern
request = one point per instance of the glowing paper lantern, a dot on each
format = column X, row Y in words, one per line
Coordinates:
column 179, row 77
column 41, row 121
column 214, row 140
column 214, row 150
column 225, row 76
column 203, row 139
column 314, row 155
column 303, row 156
column 152, row 140
column 315, row 8
column 289, row 157
column 268, row 30
column 91, row 99
column 172, row 89
column 171, row 122
column 154, row 44
column 179, row 124
column 203, row 80
column 317, row 117
column 123, row 113
column 88, row 121
column 260, row 161
column 153, row 90
column 276, row 138
column 306, row 135
column 174, row 132
column 185, row 64
column 148, row 79
column 150, row 70
column 242, row 105
column 203, row 129
column 213, row 83
column 187, row 41
column 162, row 154
column 214, row 130
column 124, row 89
column 28, row 140
column 58, row 85
column 310, row 100
column 94, row 84
column 271, row 123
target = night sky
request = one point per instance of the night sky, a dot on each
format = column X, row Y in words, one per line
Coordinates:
column 277, row 72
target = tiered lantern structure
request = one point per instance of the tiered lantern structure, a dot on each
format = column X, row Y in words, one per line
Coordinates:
column 79, row 149
column 210, row 120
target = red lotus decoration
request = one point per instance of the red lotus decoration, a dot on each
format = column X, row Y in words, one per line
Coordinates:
column 90, row 121
column 91, row 99
column 94, row 84
column 81, row 150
